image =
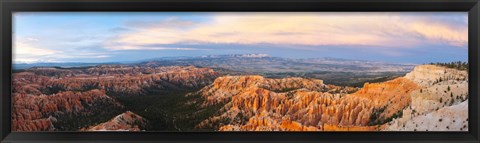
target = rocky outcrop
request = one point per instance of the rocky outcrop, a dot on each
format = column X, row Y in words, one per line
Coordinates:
column 440, row 104
column 390, row 97
column 427, row 75
column 127, row 121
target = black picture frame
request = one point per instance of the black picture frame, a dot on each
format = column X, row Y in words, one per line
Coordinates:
column 9, row 6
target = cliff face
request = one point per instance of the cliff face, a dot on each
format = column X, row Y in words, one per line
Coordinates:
column 127, row 121
column 440, row 104
column 390, row 97
column 255, row 103
column 427, row 75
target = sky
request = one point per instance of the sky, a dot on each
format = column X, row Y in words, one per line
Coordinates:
column 96, row 37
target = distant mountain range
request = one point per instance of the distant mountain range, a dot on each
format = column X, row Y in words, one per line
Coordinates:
column 253, row 63
column 63, row 65
column 262, row 63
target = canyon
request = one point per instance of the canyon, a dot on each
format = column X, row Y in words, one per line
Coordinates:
column 47, row 99
column 155, row 96
column 254, row 103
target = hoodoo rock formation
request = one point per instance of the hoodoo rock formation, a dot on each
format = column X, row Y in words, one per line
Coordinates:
column 47, row 99
column 390, row 97
column 39, row 113
column 255, row 103
column 430, row 97
column 115, row 80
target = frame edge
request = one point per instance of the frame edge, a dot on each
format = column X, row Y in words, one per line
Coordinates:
column 474, row 21
column 474, row 40
column 2, row 122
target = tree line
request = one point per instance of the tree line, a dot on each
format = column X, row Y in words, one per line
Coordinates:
column 459, row 65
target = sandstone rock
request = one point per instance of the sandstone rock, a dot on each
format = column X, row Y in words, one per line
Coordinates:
column 436, row 100
column 451, row 118
column 42, row 92
column 304, row 104
column 127, row 121
column 427, row 75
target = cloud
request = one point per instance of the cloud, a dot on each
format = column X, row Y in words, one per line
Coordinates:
column 22, row 48
column 42, row 39
column 170, row 22
column 32, row 50
column 391, row 30
column 181, row 49
column 79, row 55
column 135, row 46
column 25, row 50
column 119, row 29
column 455, row 36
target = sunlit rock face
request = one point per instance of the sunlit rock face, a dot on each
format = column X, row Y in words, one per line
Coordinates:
column 306, row 105
column 127, row 121
column 391, row 96
column 223, row 88
column 427, row 75
column 255, row 103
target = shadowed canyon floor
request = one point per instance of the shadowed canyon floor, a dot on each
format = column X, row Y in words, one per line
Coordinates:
column 189, row 98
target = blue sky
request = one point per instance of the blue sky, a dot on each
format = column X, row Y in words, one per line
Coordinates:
column 419, row 37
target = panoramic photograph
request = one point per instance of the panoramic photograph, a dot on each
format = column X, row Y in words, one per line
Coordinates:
column 239, row 71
